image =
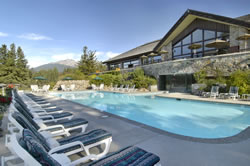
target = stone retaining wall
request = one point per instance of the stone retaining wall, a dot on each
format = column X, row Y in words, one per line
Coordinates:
column 79, row 84
column 226, row 62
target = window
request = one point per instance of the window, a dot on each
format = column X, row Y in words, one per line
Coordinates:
column 157, row 59
column 186, row 40
column 186, row 50
column 177, row 51
column 126, row 64
column 209, row 34
column 197, row 35
column 178, row 44
column 135, row 63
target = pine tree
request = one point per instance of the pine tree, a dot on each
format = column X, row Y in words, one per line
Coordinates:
column 9, row 69
column 3, row 57
column 21, row 67
column 87, row 63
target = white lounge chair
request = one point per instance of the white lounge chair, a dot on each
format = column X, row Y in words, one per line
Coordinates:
column 63, row 87
column 126, row 88
column 114, row 88
column 72, row 87
column 101, row 87
column 233, row 92
column 120, row 88
column 128, row 154
column 132, row 89
column 214, row 92
column 93, row 86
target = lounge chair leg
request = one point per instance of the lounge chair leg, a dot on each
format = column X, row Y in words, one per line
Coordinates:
column 8, row 158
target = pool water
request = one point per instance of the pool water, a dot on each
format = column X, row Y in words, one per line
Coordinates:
column 184, row 117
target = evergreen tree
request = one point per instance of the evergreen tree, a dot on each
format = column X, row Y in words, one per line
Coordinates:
column 9, row 68
column 3, row 57
column 87, row 63
column 21, row 67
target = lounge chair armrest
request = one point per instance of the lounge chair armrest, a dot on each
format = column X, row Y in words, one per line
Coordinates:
column 61, row 130
column 54, row 150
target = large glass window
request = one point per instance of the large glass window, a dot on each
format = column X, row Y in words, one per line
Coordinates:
column 177, row 51
column 186, row 40
column 197, row 35
column 126, row 64
column 186, row 50
column 209, row 34
column 157, row 59
column 135, row 63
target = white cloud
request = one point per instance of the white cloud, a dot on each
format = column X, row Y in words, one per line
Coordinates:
column 102, row 56
column 34, row 61
column 2, row 34
column 64, row 56
column 33, row 36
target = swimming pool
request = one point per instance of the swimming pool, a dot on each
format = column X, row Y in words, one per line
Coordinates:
column 184, row 117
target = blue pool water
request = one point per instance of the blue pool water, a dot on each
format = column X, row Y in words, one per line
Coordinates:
column 184, row 117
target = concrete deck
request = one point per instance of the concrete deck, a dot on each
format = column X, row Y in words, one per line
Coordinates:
column 172, row 150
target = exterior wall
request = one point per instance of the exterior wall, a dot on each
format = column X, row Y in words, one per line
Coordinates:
column 235, row 32
column 227, row 62
column 167, row 48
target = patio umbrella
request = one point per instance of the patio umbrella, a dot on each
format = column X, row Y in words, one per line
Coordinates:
column 218, row 44
column 39, row 78
column 144, row 57
column 98, row 78
column 194, row 47
column 244, row 37
column 152, row 55
column 67, row 78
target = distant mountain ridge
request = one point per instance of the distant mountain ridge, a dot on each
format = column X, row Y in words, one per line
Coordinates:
column 60, row 65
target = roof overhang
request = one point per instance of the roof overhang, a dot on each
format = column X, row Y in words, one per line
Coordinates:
column 189, row 16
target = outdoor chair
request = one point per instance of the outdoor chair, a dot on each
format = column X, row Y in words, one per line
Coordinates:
column 120, row 88
column 45, row 116
column 35, row 107
column 63, row 87
column 100, row 87
column 132, row 89
column 93, row 86
column 126, row 88
column 57, row 128
column 90, row 139
column 214, row 92
column 114, row 88
column 233, row 92
column 72, row 87
column 33, row 153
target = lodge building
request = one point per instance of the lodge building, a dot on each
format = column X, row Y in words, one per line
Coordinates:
column 196, row 40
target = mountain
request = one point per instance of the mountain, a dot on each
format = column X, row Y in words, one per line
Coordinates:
column 60, row 65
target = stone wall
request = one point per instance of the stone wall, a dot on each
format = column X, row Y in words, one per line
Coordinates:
column 235, row 32
column 79, row 84
column 227, row 62
column 168, row 55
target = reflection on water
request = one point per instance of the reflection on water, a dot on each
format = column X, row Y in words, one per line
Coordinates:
column 191, row 118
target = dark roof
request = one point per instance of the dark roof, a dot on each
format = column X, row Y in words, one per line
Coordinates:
column 244, row 18
column 145, row 48
column 205, row 15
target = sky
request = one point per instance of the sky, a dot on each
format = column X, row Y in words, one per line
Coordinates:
column 53, row 30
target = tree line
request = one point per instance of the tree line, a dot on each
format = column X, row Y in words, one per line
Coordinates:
column 14, row 68
column 13, row 65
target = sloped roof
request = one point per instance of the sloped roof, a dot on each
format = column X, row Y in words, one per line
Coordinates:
column 204, row 15
column 244, row 18
column 145, row 48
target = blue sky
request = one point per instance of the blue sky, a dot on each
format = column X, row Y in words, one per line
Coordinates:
column 52, row 30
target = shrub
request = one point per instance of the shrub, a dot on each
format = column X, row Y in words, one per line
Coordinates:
column 240, row 79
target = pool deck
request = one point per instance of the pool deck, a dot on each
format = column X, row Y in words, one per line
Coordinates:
column 172, row 149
